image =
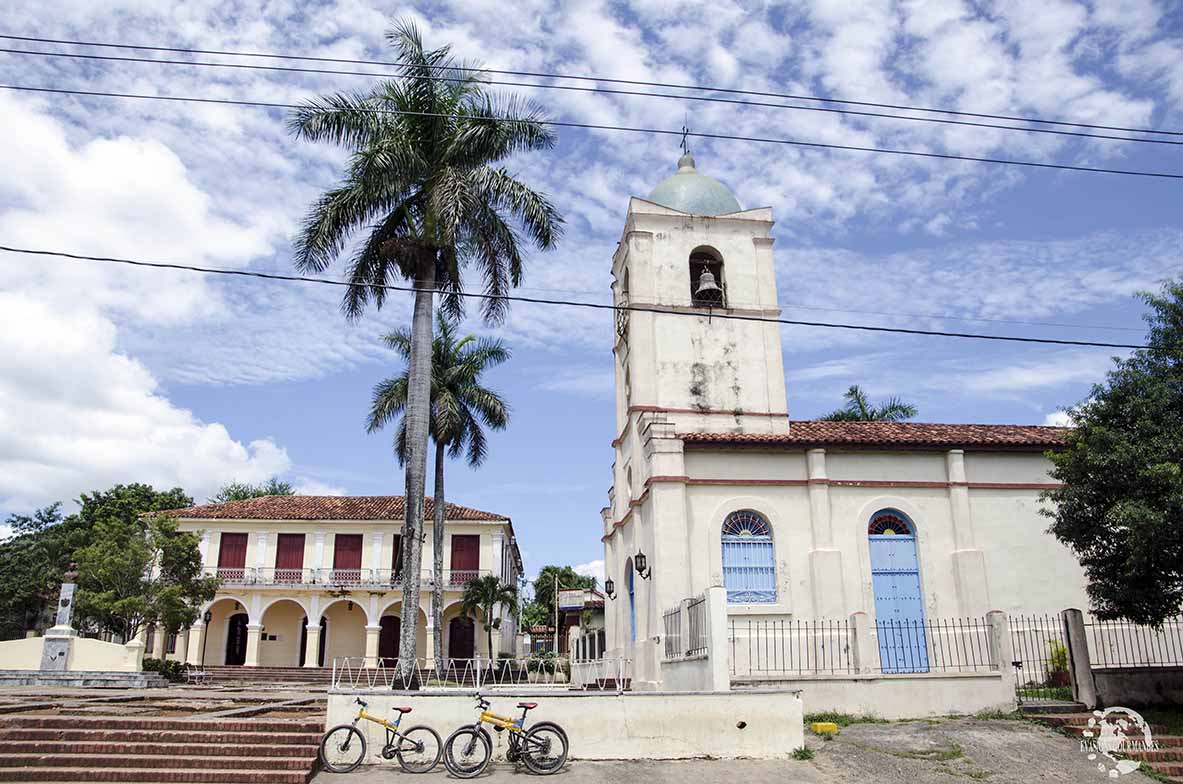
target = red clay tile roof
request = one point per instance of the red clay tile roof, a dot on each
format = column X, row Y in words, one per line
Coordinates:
column 804, row 433
column 323, row 507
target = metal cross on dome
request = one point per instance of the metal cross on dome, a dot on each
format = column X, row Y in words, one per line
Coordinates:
column 685, row 140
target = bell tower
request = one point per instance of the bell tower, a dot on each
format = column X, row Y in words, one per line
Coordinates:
column 691, row 254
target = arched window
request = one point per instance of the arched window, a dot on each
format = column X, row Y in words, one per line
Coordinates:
column 749, row 565
column 707, row 287
column 889, row 523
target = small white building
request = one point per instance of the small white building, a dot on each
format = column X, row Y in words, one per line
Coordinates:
column 307, row 579
column 715, row 485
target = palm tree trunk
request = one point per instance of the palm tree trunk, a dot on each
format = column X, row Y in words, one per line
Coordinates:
column 417, row 418
column 437, row 566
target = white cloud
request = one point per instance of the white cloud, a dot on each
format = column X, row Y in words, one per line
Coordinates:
column 592, row 569
column 1059, row 419
column 77, row 415
column 316, row 487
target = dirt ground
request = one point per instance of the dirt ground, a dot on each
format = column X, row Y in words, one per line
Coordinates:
column 920, row 752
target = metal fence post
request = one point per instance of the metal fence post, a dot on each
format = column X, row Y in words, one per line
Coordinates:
column 865, row 653
column 1080, row 666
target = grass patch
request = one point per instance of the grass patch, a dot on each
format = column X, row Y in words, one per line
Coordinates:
column 1170, row 718
column 997, row 715
column 803, row 753
column 1033, row 693
column 935, row 755
column 1146, row 770
column 843, row 719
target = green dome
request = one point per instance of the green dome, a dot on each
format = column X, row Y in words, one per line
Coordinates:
column 689, row 191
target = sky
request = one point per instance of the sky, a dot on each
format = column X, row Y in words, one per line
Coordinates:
column 112, row 375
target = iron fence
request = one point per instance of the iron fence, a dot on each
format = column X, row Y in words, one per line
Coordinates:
column 453, row 579
column 1040, row 646
column 697, row 626
column 355, row 672
column 781, row 647
column 589, row 646
column 933, row 645
column 672, row 622
column 1120, row 643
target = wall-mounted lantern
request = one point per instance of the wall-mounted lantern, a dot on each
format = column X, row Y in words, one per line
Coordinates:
column 610, row 588
column 639, row 563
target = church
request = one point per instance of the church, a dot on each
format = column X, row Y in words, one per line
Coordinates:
column 714, row 484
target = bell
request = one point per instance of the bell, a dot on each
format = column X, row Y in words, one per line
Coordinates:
column 708, row 290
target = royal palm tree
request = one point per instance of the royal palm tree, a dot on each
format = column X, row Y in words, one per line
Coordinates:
column 483, row 594
column 423, row 186
column 460, row 408
column 859, row 409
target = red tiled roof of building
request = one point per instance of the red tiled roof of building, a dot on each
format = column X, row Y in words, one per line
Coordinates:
column 323, row 507
column 804, row 433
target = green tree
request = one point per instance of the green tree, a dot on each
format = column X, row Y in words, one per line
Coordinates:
column 423, row 185
column 481, row 596
column 240, row 491
column 138, row 568
column 1121, row 499
column 460, row 406
column 544, row 586
column 533, row 614
column 859, row 408
column 32, row 561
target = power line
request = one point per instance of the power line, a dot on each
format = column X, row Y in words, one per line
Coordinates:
column 593, row 78
column 569, row 303
column 623, row 128
column 597, row 90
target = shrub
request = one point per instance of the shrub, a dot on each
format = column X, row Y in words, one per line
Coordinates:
column 802, row 753
column 174, row 671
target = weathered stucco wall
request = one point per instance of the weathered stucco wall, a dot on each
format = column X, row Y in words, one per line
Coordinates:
column 1139, row 686
column 628, row 726
column 23, row 654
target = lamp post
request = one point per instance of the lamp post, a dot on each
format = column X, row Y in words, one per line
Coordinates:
column 209, row 616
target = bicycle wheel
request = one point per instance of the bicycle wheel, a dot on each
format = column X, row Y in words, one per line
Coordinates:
column 419, row 749
column 342, row 749
column 467, row 753
column 544, row 749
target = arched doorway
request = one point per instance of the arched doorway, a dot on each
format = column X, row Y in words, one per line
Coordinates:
column 899, row 600
column 236, row 639
column 461, row 638
column 388, row 638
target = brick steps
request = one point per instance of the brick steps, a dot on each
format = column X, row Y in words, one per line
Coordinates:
column 1166, row 761
column 284, row 750
column 190, row 760
column 189, row 775
column 140, row 749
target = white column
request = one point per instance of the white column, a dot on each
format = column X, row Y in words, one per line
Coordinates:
column 196, row 639
column 372, row 633
column 376, row 551
column 969, row 563
column 498, row 555
column 254, row 631
column 182, row 649
column 825, row 561
column 261, row 549
column 159, row 637
column 203, row 548
column 318, row 555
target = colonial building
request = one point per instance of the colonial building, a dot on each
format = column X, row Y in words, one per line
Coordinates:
column 715, row 485
column 306, row 579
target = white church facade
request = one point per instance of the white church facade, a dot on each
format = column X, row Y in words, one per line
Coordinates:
column 715, row 485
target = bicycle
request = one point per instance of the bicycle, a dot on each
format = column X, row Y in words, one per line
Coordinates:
column 542, row 747
column 343, row 747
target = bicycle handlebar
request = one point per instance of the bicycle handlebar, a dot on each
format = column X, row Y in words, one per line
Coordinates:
column 359, row 702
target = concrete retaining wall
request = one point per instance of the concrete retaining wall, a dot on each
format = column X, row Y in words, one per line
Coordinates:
column 906, row 696
column 763, row 724
column 1137, row 686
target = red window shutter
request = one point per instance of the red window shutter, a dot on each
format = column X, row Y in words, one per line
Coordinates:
column 232, row 551
column 289, row 551
column 466, row 552
column 347, row 551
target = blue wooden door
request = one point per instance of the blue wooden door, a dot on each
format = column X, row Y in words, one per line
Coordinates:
column 899, row 603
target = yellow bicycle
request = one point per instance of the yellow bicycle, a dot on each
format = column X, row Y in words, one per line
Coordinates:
column 343, row 747
column 542, row 747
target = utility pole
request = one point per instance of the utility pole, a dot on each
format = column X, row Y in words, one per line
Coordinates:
column 556, row 592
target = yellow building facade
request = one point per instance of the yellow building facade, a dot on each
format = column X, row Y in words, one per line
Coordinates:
column 305, row 580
